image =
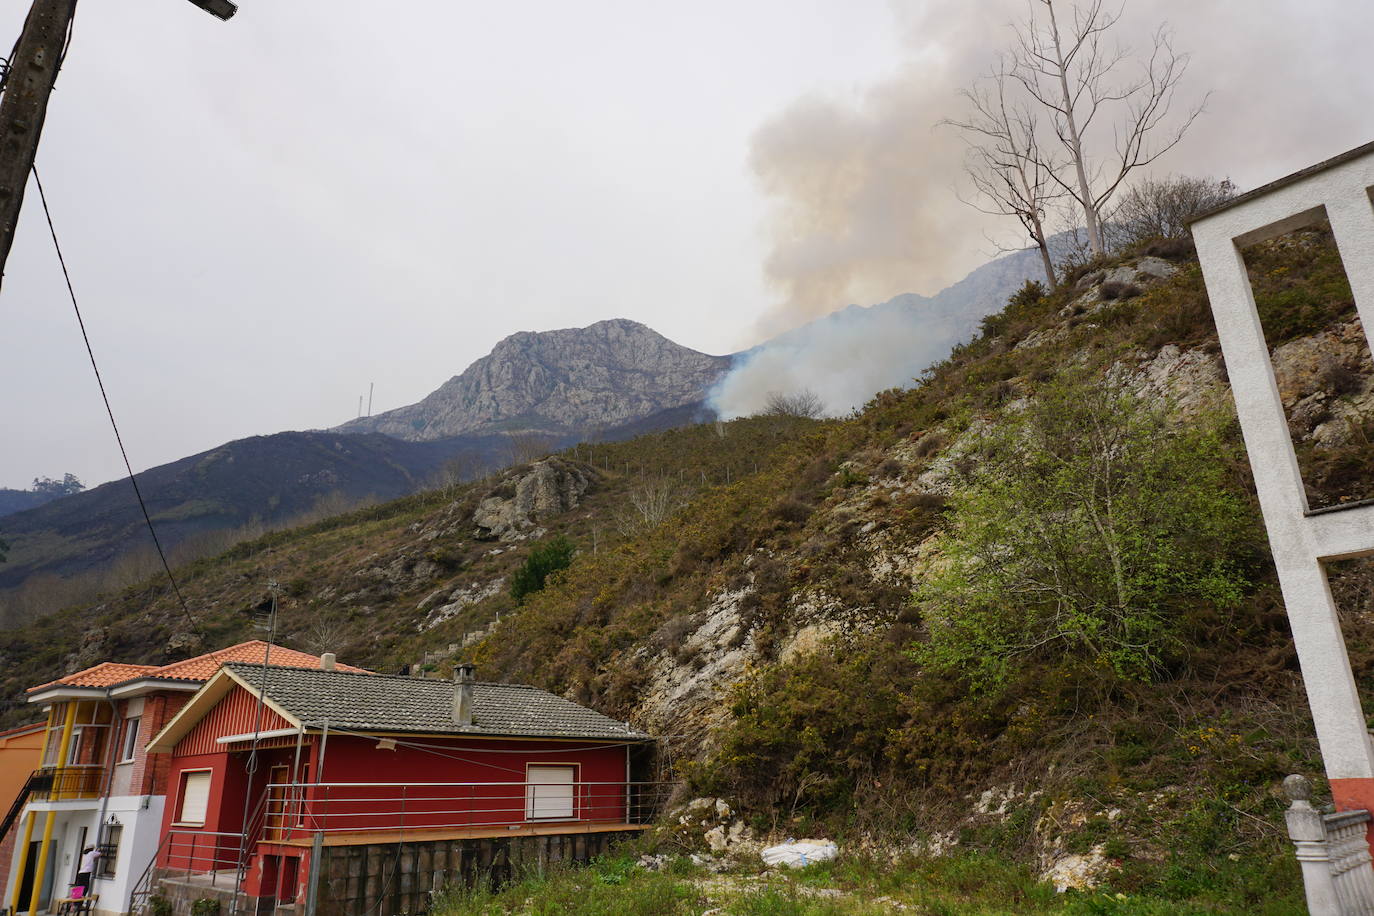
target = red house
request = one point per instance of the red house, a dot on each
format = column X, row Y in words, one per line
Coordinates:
column 271, row 766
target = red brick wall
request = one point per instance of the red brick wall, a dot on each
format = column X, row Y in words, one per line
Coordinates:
column 150, row 770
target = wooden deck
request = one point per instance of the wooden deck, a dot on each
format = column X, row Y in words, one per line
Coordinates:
column 387, row 837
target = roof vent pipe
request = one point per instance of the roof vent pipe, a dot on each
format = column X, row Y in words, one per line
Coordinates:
column 462, row 694
column 327, row 661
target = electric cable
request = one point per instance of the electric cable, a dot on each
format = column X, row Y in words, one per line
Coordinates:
column 52, row 230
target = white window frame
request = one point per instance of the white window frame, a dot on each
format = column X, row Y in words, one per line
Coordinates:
column 128, row 745
column 74, row 747
column 183, row 780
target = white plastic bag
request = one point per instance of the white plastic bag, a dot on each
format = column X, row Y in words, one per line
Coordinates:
column 798, row 853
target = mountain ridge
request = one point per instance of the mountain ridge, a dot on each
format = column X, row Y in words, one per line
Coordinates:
column 557, row 382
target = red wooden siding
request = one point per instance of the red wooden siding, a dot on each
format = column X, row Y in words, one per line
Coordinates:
column 236, row 714
column 599, row 794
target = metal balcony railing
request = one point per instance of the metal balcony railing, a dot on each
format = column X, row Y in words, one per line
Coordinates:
column 295, row 812
column 62, row 783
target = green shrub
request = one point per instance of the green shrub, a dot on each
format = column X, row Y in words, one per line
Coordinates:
column 545, row 559
column 205, row 906
column 1083, row 526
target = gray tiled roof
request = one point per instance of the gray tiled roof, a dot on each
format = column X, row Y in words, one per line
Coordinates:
column 389, row 703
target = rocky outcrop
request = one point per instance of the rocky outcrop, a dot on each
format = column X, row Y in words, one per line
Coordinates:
column 526, row 497
column 555, row 382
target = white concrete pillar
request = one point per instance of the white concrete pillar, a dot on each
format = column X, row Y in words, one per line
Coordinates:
column 1301, row 541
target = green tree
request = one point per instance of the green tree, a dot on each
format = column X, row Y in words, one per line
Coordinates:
column 545, row 559
column 68, row 485
column 1085, row 525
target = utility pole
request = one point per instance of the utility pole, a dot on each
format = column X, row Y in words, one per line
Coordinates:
column 28, row 82
column 24, row 105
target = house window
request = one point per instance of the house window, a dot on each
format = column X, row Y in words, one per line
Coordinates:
column 109, row 851
column 130, row 744
column 549, row 792
column 51, row 743
column 74, row 749
column 195, row 798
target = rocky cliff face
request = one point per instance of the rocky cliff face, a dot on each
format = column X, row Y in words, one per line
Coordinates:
column 556, row 382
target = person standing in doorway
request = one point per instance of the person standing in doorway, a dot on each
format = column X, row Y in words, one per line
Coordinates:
column 89, row 857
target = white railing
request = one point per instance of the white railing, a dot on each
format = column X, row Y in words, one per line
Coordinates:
column 1333, row 850
column 294, row 812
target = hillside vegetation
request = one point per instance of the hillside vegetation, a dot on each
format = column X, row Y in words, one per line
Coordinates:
column 1022, row 609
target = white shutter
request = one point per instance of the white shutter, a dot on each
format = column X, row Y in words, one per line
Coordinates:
column 549, row 792
column 195, row 797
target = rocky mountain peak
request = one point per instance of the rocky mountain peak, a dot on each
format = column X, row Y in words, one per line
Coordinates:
column 571, row 380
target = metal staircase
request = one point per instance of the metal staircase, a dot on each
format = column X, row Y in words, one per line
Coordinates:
column 38, row 781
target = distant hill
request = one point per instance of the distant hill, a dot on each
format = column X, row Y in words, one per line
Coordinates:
column 44, row 490
column 12, row 501
column 264, row 481
column 204, row 503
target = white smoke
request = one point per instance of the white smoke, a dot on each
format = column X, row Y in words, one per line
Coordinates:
column 845, row 358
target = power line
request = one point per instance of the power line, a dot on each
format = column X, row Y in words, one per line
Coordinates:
column 52, row 230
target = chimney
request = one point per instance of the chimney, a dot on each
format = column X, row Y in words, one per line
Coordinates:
column 327, row 661
column 462, row 694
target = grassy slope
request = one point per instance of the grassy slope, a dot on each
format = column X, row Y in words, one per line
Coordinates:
column 854, row 738
column 352, row 583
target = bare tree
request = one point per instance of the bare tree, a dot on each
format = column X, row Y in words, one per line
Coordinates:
column 1161, row 208
column 324, row 633
column 1009, row 172
column 1069, row 69
column 649, row 503
column 455, row 472
column 528, row 446
column 804, row 403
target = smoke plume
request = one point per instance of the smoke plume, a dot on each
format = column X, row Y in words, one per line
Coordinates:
column 845, row 358
column 864, row 188
column 864, row 208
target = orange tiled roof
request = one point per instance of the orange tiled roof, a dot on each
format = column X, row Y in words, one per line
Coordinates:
column 200, row 668
column 203, row 667
column 102, row 675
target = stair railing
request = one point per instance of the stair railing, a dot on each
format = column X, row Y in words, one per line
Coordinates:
column 1333, row 851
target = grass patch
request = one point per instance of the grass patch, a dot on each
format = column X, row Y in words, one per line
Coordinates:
column 959, row 885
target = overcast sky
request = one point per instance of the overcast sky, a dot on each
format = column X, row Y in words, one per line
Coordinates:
column 265, row 215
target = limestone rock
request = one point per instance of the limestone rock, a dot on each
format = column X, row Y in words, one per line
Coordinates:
column 1077, row 871
column 1303, row 367
column 554, row 382
column 526, row 498
column 1188, row 379
column 461, row 597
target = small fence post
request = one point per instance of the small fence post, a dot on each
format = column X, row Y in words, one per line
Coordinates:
column 1308, row 833
column 312, row 885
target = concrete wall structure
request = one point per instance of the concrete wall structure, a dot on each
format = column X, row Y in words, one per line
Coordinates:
column 1303, row 540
